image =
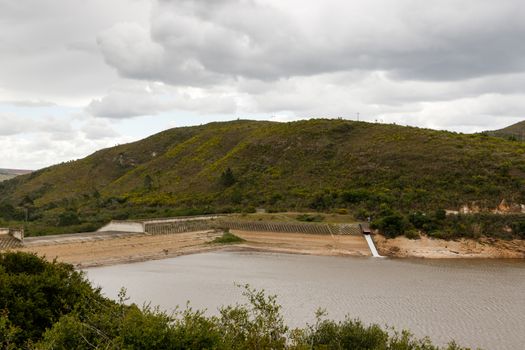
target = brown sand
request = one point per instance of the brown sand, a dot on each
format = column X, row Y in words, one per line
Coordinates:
column 437, row 248
column 146, row 247
column 125, row 249
column 140, row 247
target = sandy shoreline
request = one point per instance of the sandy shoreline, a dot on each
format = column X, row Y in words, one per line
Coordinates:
column 125, row 249
column 425, row 247
column 121, row 249
column 141, row 247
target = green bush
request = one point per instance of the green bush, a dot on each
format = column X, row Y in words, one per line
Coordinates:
column 228, row 238
column 227, row 178
column 391, row 225
column 68, row 218
column 412, row 234
column 34, row 294
column 309, row 218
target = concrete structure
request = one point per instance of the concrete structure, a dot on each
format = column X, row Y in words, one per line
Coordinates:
column 210, row 222
column 11, row 238
column 123, row 226
column 161, row 226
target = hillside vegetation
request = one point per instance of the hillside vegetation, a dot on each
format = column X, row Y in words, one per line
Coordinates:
column 365, row 169
column 515, row 132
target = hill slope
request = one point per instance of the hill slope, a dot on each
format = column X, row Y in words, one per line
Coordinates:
column 315, row 164
column 513, row 132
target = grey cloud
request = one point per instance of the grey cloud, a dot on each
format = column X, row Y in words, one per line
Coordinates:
column 453, row 64
column 29, row 103
column 46, row 47
column 431, row 40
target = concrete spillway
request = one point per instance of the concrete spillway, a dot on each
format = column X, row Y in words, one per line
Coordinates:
column 372, row 246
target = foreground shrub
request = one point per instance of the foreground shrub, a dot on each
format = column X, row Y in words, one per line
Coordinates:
column 34, row 294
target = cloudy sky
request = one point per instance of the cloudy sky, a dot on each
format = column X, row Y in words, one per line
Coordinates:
column 80, row 75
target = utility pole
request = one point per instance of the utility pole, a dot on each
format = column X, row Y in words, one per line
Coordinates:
column 357, row 116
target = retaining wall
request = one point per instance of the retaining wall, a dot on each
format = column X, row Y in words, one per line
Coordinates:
column 202, row 223
column 262, row 226
column 289, row 227
column 11, row 238
column 160, row 228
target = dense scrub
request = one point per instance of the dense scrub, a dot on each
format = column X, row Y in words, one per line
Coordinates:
column 439, row 225
column 35, row 294
column 50, row 306
column 322, row 165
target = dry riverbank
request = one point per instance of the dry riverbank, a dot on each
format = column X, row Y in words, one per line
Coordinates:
column 140, row 247
column 110, row 249
column 426, row 247
column 124, row 249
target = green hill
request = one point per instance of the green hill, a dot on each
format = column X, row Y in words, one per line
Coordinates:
column 515, row 132
column 324, row 165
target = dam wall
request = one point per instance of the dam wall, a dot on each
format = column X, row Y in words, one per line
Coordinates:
column 160, row 228
column 203, row 223
column 292, row 227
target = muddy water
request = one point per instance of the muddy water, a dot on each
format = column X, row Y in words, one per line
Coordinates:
column 479, row 303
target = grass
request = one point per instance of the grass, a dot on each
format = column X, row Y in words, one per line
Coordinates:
column 228, row 238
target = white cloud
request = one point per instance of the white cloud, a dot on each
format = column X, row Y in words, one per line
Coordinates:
column 11, row 125
column 141, row 99
column 98, row 129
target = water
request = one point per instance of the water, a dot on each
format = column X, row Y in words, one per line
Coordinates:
column 479, row 303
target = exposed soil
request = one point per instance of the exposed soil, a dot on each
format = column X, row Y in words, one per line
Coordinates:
column 437, row 248
column 125, row 249
column 111, row 249
column 117, row 249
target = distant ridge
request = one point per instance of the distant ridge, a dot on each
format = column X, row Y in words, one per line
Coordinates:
column 514, row 132
column 6, row 174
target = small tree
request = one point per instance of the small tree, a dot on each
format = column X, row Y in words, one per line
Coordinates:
column 148, row 183
column 391, row 225
column 440, row 214
column 68, row 218
column 227, row 178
